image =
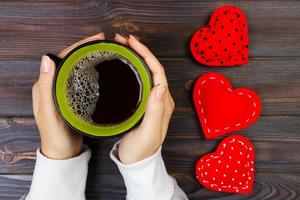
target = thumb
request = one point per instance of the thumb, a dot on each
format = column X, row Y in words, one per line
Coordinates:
column 155, row 108
column 45, row 82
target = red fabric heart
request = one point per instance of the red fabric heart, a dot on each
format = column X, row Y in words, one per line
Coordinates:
column 220, row 108
column 224, row 42
column 230, row 168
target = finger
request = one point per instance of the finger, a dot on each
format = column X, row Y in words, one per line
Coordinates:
column 119, row 38
column 99, row 36
column 45, row 82
column 169, row 108
column 154, row 65
column 155, row 110
column 35, row 98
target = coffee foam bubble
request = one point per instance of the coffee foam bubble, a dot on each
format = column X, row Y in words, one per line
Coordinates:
column 82, row 83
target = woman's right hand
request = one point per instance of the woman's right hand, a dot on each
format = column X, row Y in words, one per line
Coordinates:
column 145, row 140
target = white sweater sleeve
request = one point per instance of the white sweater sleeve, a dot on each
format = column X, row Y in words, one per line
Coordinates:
column 148, row 179
column 59, row 179
column 66, row 179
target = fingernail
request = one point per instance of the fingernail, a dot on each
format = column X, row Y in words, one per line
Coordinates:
column 97, row 35
column 132, row 36
column 45, row 64
column 160, row 92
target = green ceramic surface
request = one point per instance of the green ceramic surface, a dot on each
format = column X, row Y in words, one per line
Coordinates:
column 61, row 95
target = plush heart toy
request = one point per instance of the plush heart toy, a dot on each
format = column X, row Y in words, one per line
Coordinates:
column 230, row 168
column 224, row 42
column 222, row 109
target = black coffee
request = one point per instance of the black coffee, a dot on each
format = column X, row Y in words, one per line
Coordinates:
column 119, row 92
column 103, row 88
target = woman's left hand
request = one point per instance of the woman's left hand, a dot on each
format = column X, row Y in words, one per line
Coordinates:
column 57, row 140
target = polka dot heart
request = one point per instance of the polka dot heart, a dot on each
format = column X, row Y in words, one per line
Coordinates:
column 230, row 168
column 222, row 109
column 224, row 41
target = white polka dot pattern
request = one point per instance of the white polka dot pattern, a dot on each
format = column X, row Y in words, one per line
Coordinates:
column 230, row 171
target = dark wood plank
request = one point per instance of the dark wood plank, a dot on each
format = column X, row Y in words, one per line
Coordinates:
column 16, row 80
column 18, row 140
column 51, row 26
column 276, row 140
column 111, row 186
column 267, row 186
column 14, row 187
column 30, row 29
column 275, row 81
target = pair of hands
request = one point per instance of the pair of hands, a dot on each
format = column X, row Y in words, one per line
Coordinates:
column 58, row 141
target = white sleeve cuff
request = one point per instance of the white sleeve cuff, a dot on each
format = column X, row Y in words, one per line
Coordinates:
column 59, row 179
column 147, row 179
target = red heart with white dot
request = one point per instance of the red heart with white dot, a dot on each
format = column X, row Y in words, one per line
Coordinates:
column 224, row 42
column 222, row 109
column 230, row 168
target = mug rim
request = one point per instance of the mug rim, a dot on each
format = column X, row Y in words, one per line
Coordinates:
column 109, row 131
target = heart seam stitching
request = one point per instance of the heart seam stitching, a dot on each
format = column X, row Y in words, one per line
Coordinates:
column 221, row 153
column 230, row 90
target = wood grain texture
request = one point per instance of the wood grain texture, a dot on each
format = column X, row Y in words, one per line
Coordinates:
column 111, row 186
column 274, row 80
column 31, row 28
column 276, row 139
column 50, row 26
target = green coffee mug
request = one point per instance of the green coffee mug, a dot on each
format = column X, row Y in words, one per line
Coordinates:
column 65, row 66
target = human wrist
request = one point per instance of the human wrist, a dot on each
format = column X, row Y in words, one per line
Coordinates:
column 128, row 157
column 141, row 177
column 58, row 153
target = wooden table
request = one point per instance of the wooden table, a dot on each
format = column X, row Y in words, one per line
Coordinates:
column 29, row 29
